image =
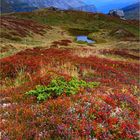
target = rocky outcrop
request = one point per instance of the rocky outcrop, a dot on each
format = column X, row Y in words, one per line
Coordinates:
column 117, row 13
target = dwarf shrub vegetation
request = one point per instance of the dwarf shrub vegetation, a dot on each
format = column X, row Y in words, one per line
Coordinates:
column 60, row 86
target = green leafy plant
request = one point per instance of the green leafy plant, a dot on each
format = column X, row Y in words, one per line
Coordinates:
column 59, row 86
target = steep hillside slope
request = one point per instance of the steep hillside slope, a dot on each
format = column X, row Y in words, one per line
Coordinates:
column 29, row 5
column 132, row 11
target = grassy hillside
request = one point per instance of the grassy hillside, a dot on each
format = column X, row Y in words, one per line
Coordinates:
column 64, row 25
column 78, row 20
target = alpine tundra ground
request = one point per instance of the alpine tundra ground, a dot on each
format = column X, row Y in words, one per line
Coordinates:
column 53, row 87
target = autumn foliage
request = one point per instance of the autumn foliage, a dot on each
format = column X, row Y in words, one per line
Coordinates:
column 110, row 111
column 21, row 27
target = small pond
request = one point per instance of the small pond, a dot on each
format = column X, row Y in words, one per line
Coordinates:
column 84, row 39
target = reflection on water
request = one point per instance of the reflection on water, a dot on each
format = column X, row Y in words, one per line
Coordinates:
column 84, row 38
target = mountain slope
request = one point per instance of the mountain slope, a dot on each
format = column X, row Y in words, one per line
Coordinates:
column 8, row 6
column 132, row 11
column 87, row 8
column 5, row 6
column 63, row 4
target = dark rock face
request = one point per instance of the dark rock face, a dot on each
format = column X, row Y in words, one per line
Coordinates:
column 117, row 13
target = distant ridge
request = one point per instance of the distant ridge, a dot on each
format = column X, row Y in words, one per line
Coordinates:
column 7, row 6
column 87, row 8
column 132, row 11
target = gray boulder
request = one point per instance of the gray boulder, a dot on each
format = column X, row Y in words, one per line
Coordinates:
column 117, row 13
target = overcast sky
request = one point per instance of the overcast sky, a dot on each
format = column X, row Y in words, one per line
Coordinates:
column 105, row 5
